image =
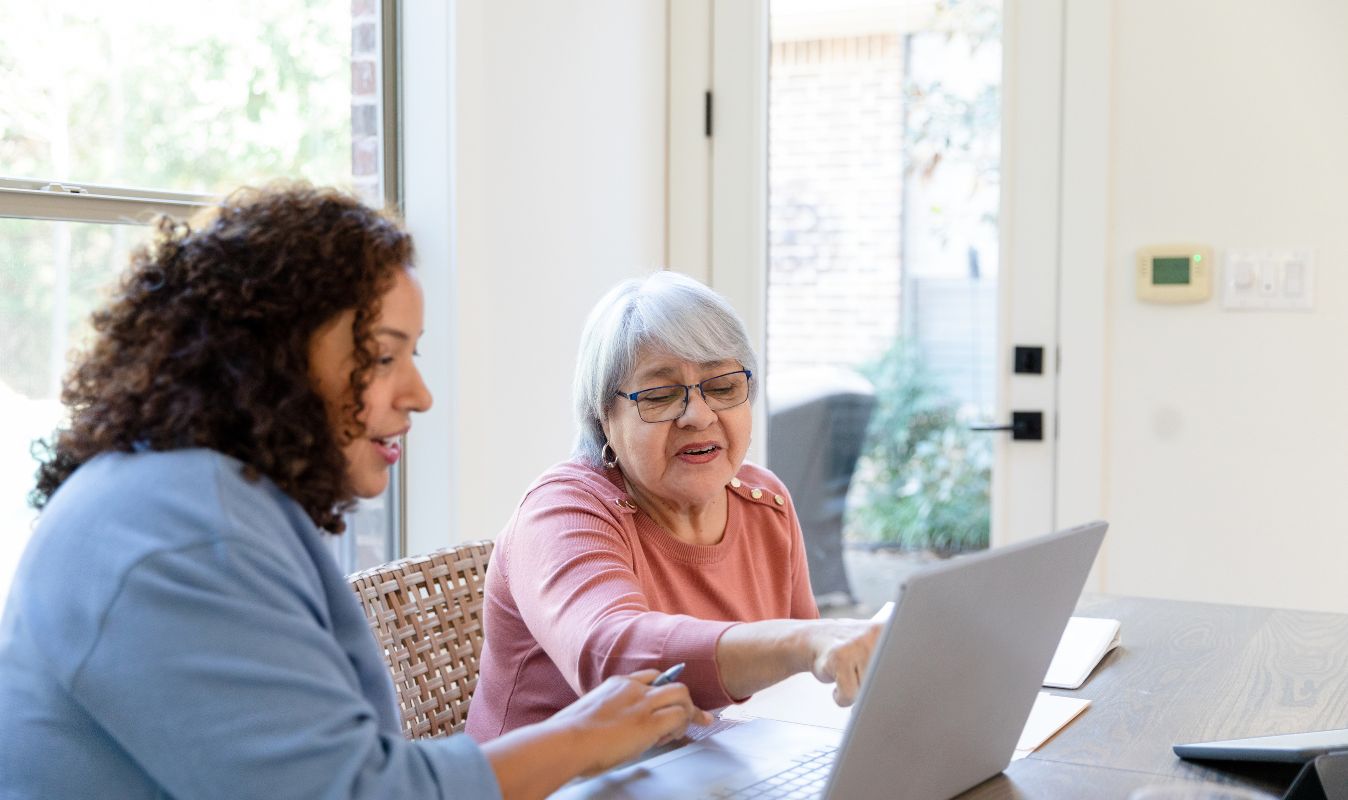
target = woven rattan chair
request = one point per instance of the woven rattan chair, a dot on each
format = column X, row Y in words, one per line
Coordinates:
column 426, row 612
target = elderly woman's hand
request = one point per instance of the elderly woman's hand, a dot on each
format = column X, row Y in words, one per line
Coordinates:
column 840, row 651
column 754, row 655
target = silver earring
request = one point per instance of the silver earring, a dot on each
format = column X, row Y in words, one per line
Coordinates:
column 609, row 461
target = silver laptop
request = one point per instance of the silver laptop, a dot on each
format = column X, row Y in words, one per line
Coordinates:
column 945, row 699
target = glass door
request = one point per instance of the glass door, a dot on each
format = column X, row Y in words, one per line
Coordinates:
column 884, row 131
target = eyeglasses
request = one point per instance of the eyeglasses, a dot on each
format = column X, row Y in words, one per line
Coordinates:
column 664, row 403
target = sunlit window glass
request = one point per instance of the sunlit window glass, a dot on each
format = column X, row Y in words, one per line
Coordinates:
column 186, row 96
column 52, row 274
column 183, row 95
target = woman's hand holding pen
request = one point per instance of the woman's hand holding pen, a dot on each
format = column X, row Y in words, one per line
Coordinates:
column 612, row 723
column 626, row 715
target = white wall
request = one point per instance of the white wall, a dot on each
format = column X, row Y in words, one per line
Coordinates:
column 1223, row 443
column 559, row 171
column 1226, row 452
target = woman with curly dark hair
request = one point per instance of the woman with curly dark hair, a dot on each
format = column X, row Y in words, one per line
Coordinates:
column 177, row 626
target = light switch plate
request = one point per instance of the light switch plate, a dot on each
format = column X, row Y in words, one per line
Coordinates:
column 1268, row 279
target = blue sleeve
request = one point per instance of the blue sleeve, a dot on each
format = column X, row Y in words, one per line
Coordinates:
column 213, row 669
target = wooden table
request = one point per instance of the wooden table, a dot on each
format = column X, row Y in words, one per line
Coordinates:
column 1188, row 672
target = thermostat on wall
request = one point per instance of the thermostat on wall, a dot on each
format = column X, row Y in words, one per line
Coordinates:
column 1178, row 273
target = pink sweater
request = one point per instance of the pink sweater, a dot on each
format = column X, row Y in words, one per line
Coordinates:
column 583, row 585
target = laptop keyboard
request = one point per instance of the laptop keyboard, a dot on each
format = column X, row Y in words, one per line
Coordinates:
column 697, row 733
column 806, row 779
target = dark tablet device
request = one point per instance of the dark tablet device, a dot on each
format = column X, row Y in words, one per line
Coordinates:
column 1325, row 778
column 1291, row 748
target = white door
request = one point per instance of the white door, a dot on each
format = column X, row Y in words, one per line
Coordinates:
column 720, row 228
column 1054, row 238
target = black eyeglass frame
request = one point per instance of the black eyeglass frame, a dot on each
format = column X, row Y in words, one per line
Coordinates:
column 687, row 388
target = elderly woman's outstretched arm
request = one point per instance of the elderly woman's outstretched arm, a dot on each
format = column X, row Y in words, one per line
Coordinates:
column 756, row 655
column 580, row 592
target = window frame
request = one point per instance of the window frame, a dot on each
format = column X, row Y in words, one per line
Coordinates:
column 55, row 201
column 73, row 201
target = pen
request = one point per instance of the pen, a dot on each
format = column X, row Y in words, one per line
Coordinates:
column 669, row 675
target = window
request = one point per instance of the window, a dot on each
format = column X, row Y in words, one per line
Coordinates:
column 111, row 113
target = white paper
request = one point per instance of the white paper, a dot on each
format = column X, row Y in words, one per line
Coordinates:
column 1084, row 642
column 1050, row 714
column 800, row 698
column 804, row 700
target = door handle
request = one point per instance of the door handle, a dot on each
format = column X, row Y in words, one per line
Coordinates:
column 1025, row 426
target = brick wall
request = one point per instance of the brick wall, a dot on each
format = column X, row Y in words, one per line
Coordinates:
column 835, row 189
column 369, row 539
column 365, row 80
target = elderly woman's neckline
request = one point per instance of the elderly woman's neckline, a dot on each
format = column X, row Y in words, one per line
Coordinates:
column 687, row 529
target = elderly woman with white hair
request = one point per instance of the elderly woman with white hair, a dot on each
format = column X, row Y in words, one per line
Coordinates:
column 656, row 544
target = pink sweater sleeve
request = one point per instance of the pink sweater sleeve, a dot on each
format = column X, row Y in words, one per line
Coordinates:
column 579, row 595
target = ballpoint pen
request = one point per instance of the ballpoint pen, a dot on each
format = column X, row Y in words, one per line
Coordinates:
column 668, row 676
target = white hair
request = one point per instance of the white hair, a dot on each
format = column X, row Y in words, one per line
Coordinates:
column 665, row 312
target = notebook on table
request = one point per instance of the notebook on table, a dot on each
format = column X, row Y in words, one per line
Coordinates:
column 947, row 693
column 1084, row 643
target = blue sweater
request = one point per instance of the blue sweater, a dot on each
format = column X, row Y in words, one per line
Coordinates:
column 176, row 631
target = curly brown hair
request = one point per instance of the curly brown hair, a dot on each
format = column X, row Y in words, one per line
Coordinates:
column 206, row 343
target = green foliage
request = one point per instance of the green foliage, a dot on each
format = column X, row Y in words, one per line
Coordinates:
column 192, row 96
column 186, row 95
column 923, row 479
column 955, row 116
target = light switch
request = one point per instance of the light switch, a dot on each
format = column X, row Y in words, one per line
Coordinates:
column 1242, row 275
column 1268, row 279
column 1293, row 278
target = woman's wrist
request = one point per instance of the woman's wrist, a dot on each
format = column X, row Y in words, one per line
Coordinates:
column 755, row 655
column 581, row 742
column 804, row 644
column 536, row 760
